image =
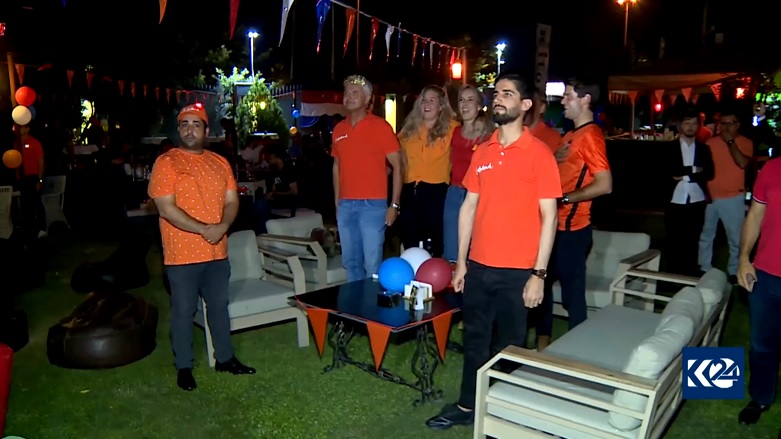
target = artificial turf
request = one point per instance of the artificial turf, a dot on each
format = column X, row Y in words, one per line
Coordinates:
column 290, row 397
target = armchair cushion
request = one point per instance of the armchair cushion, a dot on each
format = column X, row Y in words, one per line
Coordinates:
column 251, row 297
column 711, row 285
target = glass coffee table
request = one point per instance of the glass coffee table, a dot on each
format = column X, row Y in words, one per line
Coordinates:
column 364, row 302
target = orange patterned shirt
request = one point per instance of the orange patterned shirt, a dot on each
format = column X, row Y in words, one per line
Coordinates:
column 199, row 183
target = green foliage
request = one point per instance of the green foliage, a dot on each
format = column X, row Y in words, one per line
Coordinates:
column 258, row 111
column 225, row 84
column 481, row 60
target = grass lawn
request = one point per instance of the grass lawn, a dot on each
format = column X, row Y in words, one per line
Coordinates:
column 289, row 397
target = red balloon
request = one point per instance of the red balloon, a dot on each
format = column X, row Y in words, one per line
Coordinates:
column 435, row 272
column 25, row 96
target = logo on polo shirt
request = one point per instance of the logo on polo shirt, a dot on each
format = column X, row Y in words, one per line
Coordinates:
column 484, row 168
column 340, row 138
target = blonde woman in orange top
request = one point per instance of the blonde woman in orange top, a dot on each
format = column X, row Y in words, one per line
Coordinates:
column 425, row 145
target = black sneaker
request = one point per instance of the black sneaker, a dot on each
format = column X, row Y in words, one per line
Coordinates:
column 451, row 415
column 751, row 413
column 185, row 380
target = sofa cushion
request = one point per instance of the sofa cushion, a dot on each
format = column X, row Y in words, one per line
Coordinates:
column 688, row 303
column 603, row 340
column 648, row 360
column 711, row 285
column 297, row 226
column 255, row 296
column 335, row 273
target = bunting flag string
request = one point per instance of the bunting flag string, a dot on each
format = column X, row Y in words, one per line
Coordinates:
column 286, row 5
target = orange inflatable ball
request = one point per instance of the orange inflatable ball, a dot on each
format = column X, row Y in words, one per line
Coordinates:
column 25, row 96
column 12, row 158
column 293, row 130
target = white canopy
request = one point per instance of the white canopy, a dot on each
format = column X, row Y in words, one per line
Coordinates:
column 640, row 83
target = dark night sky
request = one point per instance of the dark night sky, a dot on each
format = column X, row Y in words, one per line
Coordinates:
column 128, row 40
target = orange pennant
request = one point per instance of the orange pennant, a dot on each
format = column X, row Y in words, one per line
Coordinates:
column 121, row 86
column 146, row 88
column 163, row 4
column 441, row 331
column 319, row 319
column 20, row 72
column 133, row 89
column 633, row 95
column 70, row 78
column 378, row 337
column 168, row 92
column 90, row 77
column 157, row 93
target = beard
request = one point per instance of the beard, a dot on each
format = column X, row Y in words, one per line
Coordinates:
column 506, row 117
column 193, row 144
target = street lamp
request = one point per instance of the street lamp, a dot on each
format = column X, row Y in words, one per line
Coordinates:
column 626, row 4
column 252, row 35
column 499, row 61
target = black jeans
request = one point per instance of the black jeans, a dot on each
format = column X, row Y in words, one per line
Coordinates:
column 568, row 266
column 188, row 283
column 33, row 215
column 764, row 309
column 422, row 215
column 683, row 225
column 492, row 297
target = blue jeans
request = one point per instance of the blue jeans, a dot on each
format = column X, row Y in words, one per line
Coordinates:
column 732, row 213
column 362, row 233
column 764, row 308
column 453, row 200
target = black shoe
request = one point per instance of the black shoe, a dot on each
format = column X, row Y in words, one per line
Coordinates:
column 235, row 367
column 451, row 415
column 751, row 413
column 185, row 380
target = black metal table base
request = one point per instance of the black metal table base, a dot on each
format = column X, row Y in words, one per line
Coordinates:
column 423, row 364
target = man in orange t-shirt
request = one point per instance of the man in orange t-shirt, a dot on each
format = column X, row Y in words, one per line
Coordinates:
column 195, row 192
column 585, row 175
column 362, row 144
column 30, row 181
column 509, row 217
column 731, row 154
column 537, row 125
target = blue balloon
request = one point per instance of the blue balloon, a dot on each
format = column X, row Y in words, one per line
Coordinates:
column 32, row 111
column 296, row 113
column 394, row 274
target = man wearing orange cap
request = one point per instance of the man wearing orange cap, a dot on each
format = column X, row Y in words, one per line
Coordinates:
column 195, row 192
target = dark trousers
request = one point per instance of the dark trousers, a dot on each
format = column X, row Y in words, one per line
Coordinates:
column 567, row 266
column 422, row 211
column 683, row 225
column 493, row 297
column 188, row 283
column 764, row 311
column 33, row 214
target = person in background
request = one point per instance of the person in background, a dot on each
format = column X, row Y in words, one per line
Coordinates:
column 509, row 219
column 585, row 175
column 362, row 143
column 537, row 125
column 281, row 187
column 474, row 130
column 690, row 169
column 425, row 144
column 762, row 279
column 31, row 181
column 731, row 153
column 195, row 192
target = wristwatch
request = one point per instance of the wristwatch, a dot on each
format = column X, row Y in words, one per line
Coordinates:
column 541, row 273
column 730, row 142
column 395, row 206
column 565, row 199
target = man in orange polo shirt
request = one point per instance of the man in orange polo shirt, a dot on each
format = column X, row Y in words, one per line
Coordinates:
column 509, row 216
column 537, row 125
column 31, row 179
column 585, row 175
column 361, row 145
column 731, row 154
column 195, row 193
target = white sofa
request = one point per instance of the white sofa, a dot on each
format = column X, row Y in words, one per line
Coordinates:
column 617, row 375
column 612, row 253
column 291, row 236
column 258, row 294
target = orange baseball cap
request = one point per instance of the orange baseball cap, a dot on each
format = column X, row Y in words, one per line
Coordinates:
column 196, row 110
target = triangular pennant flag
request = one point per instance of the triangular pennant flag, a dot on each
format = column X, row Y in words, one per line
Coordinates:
column 234, row 13
column 133, row 89
column 388, row 35
column 90, row 77
column 378, row 338
column 146, row 87
column 659, row 94
column 431, row 54
column 441, row 331
column 318, row 317
column 168, row 92
column 163, row 4
column 178, row 96
column 350, row 14
column 687, row 93
column 20, row 73
column 632, row 95
column 286, row 5
column 673, row 98
column 121, row 83
column 157, row 93
column 70, row 78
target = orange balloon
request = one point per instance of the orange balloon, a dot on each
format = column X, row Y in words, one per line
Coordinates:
column 12, row 158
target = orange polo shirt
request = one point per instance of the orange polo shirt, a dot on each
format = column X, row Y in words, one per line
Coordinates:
column 548, row 135
column 510, row 181
column 361, row 151
column 199, row 183
column 728, row 179
column 428, row 163
column 587, row 156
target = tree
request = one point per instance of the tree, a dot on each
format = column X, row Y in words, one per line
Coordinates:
column 480, row 58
